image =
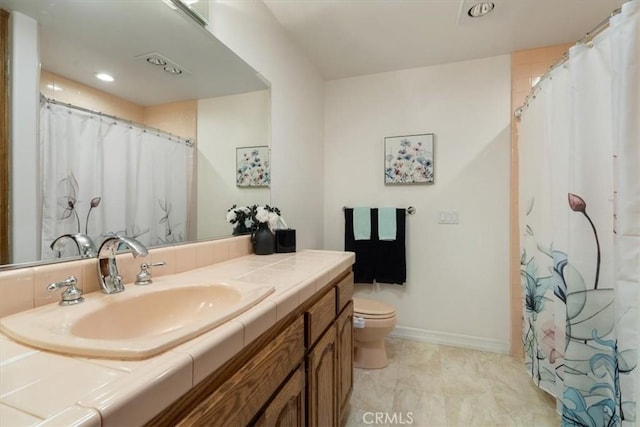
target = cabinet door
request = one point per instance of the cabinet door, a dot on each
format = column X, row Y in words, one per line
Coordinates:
column 344, row 328
column 239, row 399
column 321, row 380
column 287, row 407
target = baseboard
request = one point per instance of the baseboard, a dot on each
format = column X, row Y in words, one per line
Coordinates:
column 454, row 340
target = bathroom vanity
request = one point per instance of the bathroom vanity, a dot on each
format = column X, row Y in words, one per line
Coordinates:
column 299, row 372
column 288, row 360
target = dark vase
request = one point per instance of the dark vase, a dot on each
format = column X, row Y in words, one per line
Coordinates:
column 263, row 240
column 239, row 229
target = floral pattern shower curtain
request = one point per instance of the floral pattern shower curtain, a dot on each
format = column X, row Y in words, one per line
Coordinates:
column 102, row 175
column 580, row 228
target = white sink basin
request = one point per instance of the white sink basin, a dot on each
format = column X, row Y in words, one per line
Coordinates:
column 135, row 324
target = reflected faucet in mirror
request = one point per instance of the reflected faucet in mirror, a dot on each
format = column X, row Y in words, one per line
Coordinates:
column 86, row 247
column 110, row 279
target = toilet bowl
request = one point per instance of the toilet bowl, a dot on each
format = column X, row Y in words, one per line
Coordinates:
column 378, row 319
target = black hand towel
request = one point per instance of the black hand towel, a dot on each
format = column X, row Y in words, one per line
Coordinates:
column 365, row 250
column 382, row 261
column 391, row 262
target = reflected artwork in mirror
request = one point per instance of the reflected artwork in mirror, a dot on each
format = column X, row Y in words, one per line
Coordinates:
column 130, row 129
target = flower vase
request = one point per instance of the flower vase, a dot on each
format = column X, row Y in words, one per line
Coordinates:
column 263, row 240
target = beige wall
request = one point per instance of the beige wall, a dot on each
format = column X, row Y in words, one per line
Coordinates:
column 457, row 288
column 225, row 123
column 178, row 118
column 72, row 92
column 297, row 111
column 527, row 66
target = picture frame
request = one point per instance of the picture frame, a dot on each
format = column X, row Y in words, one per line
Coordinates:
column 409, row 159
column 253, row 166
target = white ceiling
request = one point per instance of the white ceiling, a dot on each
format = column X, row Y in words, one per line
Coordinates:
column 347, row 38
column 78, row 38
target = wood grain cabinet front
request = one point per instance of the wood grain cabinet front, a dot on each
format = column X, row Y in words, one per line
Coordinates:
column 321, row 381
column 344, row 292
column 330, row 358
column 344, row 341
column 240, row 398
column 287, row 409
column 319, row 316
column 298, row 373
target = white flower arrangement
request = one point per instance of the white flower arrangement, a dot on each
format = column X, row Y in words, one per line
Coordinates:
column 240, row 215
column 251, row 216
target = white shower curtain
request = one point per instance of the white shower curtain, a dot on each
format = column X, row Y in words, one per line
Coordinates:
column 103, row 175
column 580, row 228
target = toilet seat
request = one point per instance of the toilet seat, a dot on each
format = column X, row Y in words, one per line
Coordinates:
column 373, row 316
column 372, row 309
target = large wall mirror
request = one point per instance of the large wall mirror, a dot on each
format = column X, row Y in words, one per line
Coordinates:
column 150, row 152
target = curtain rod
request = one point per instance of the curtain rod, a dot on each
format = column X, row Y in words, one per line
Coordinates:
column 187, row 141
column 603, row 25
column 410, row 210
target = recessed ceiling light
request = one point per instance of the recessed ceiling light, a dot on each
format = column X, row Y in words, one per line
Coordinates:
column 480, row 9
column 105, row 77
column 173, row 70
column 55, row 87
column 156, row 60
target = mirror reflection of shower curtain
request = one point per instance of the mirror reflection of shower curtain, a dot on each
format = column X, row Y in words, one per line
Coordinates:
column 103, row 175
column 580, row 228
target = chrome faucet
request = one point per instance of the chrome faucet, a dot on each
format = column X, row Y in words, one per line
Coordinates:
column 71, row 295
column 144, row 276
column 86, row 247
column 110, row 279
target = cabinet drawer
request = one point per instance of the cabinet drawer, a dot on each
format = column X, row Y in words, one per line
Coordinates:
column 240, row 398
column 320, row 316
column 344, row 291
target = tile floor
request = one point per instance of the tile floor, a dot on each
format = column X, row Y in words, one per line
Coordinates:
column 448, row 387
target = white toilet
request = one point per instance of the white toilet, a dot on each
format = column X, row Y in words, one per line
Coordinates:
column 378, row 319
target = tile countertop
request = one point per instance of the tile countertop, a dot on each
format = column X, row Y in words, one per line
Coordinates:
column 49, row 389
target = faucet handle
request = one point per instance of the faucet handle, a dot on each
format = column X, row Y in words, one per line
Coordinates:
column 144, row 276
column 71, row 295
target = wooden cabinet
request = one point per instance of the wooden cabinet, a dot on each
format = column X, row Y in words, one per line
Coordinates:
column 298, row 373
column 344, row 341
column 319, row 316
column 287, row 409
column 321, row 381
column 344, row 292
column 240, row 398
column 330, row 359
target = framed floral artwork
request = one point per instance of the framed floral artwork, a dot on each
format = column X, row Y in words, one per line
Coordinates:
column 252, row 166
column 408, row 159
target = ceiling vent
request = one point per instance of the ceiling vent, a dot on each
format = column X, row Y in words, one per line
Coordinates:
column 161, row 62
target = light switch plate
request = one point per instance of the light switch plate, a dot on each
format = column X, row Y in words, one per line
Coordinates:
column 448, row 217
